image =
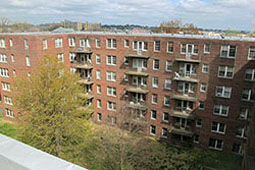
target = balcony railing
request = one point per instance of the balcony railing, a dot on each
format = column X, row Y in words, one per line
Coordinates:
column 181, row 131
column 85, row 80
column 83, row 65
column 186, row 77
column 138, row 89
column 137, row 104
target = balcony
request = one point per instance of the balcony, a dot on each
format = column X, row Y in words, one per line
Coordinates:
column 83, row 65
column 180, row 131
column 137, row 105
column 137, row 72
column 182, row 114
column 87, row 95
column 85, row 80
column 186, row 77
column 189, row 58
column 184, row 97
column 139, row 54
column 137, row 89
column 82, row 51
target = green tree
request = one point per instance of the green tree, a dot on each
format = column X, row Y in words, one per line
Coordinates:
column 53, row 116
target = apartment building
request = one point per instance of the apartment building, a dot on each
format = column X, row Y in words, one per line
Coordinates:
column 188, row 89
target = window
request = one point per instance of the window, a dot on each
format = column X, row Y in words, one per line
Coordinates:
column 164, row 133
column 196, row 138
column 139, row 63
column 250, row 74
column 189, row 49
column 45, row 44
column 201, row 106
column 199, row 123
column 85, row 43
column 140, row 46
column 221, row 110
column 169, row 66
column 98, row 44
column 168, row 84
column 241, row 132
column 216, row 144
column 228, row 51
column 71, row 42
column 153, row 114
column 203, row 88
column 2, row 43
column 155, row 64
column 111, row 106
column 111, row 91
column 3, row 58
column 111, row 76
column 26, row 44
column 237, row 148
column 251, row 53
column 11, row 42
column 59, row 43
column 99, row 89
column 27, row 61
column 12, row 58
column 205, row 68
column 153, row 130
column 165, row 117
column 186, row 88
column 111, row 43
column 98, row 59
column 126, row 62
column 244, row 112
column 167, row 101
column 9, row 113
column 126, row 43
column 99, row 103
column 206, row 48
column 187, row 69
column 99, row 117
column 8, row 100
column 6, row 86
column 170, row 47
column 111, row 60
column 223, row 91
column 4, row 72
column 248, row 95
column 61, row 57
column 155, row 82
column 156, row 46
column 13, row 72
column 218, row 127
column 125, row 78
column 72, row 57
column 98, row 75
column 154, row 99
column 225, row 72
column 112, row 120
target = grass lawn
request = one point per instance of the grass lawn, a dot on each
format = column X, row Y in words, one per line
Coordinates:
column 8, row 128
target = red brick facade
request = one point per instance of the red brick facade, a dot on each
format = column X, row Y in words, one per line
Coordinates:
column 180, row 124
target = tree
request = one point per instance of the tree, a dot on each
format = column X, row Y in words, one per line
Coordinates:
column 4, row 22
column 53, row 117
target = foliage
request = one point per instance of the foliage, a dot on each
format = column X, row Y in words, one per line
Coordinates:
column 9, row 129
column 52, row 117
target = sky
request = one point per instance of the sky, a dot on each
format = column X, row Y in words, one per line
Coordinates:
column 214, row 14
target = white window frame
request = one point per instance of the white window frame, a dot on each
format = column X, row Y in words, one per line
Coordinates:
column 244, row 115
column 111, row 106
column 250, row 94
column 151, row 128
column 228, row 51
column 216, row 144
column 153, row 98
column 251, row 51
column 71, row 41
column 61, row 57
column 111, row 76
column 111, row 91
column 111, row 60
column 163, row 117
column 154, row 62
column 125, row 43
column 26, row 44
column 8, row 100
column 164, row 132
column 187, row 47
column 3, row 58
column 203, row 87
column 153, row 82
column 221, row 107
column 209, row 47
column 2, row 43
column 45, row 44
column 6, row 86
column 153, row 112
column 218, row 126
column 226, row 69
column 98, row 59
column 157, row 46
column 85, row 43
column 168, row 83
column 165, row 100
column 99, row 117
column 224, row 88
column 99, row 103
column 99, row 90
column 9, row 113
column 98, row 43
column 28, row 64
column 11, row 42
column 167, row 47
column 59, row 42
column 169, row 64
column 204, row 67
column 112, row 44
column 98, row 75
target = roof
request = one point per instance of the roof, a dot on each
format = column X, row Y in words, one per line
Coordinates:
column 15, row 155
column 187, row 36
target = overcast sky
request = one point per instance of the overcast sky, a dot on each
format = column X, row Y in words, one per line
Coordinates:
column 223, row 14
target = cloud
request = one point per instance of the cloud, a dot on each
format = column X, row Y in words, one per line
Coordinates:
column 236, row 14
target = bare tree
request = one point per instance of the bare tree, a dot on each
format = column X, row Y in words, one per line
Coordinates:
column 4, row 23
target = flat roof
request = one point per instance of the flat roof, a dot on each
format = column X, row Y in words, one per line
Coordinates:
column 188, row 36
column 15, row 155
